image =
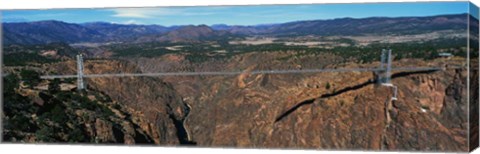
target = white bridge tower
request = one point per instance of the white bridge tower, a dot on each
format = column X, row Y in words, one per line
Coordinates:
column 386, row 73
column 80, row 83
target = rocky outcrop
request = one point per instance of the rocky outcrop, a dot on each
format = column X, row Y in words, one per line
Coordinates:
column 278, row 111
column 333, row 110
column 150, row 103
column 55, row 115
column 103, row 131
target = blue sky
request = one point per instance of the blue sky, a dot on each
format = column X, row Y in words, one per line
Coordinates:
column 236, row 15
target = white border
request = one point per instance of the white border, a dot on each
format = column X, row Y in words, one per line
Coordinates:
column 47, row 4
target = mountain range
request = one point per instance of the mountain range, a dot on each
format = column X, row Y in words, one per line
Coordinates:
column 43, row 32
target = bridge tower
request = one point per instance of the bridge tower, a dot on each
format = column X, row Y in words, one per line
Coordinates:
column 386, row 73
column 381, row 72
column 80, row 83
column 389, row 67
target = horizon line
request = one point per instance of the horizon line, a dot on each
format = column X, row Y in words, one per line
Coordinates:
column 247, row 25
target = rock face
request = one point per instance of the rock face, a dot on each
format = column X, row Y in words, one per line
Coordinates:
column 151, row 104
column 103, row 131
column 333, row 110
column 325, row 119
column 301, row 111
column 294, row 110
column 58, row 116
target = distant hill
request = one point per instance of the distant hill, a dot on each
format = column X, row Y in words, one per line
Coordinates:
column 43, row 32
column 119, row 31
column 351, row 26
column 187, row 34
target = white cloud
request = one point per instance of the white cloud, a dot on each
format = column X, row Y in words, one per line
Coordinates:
column 142, row 12
column 132, row 22
column 156, row 12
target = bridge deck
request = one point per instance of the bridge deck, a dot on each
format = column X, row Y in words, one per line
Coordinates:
column 232, row 73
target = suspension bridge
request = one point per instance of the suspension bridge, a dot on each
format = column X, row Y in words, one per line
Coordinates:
column 383, row 72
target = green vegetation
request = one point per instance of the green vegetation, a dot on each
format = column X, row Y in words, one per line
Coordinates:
column 30, row 77
column 54, row 86
column 15, row 55
column 23, row 58
column 63, row 49
column 55, row 119
column 16, row 108
column 327, row 86
column 139, row 51
column 201, row 52
column 10, row 82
